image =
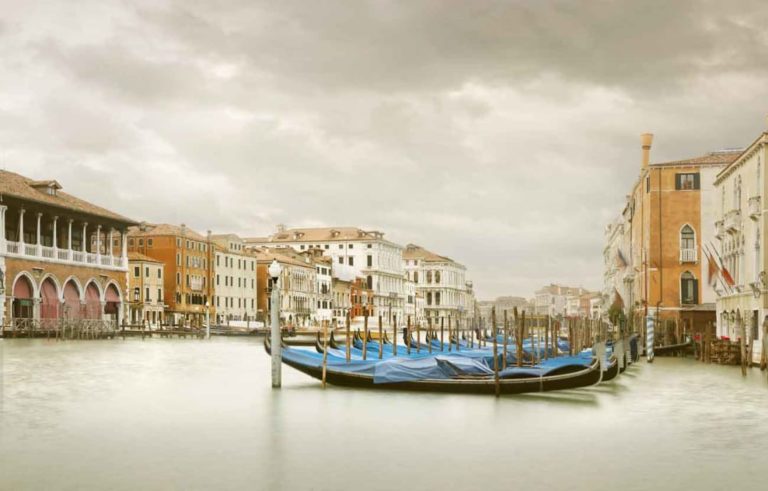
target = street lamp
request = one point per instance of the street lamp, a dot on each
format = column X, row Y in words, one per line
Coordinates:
column 274, row 272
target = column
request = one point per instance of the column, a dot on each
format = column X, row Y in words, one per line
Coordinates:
column 39, row 244
column 36, row 309
column 55, row 236
column 21, row 231
column 69, row 239
column 111, row 253
column 85, row 237
column 2, row 229
column 98, row 243
column 124, row 244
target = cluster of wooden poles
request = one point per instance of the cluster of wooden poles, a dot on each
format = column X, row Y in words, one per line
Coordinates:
column 543, row 330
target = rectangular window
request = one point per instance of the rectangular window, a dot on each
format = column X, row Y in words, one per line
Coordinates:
column 136, row 272
column 146, row 271
column 159, row 294
column 147, row 299
column 178, row 278
column 687, row 182
column 648, row 184
column 351, row 246
column 341, row 260
column 159, row 273
column 351, row 261
column 370, row 261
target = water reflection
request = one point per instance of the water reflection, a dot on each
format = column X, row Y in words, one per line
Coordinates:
column 201, row 414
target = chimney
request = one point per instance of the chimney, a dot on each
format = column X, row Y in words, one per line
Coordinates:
column 143, row 226
column 183, row 229
column 646, row 139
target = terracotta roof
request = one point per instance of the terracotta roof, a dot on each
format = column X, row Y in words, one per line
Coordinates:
column 154, row 230
column 24, row 188
column 724, row 157
column 413, row 251
column 137, row 256
column 318, row 234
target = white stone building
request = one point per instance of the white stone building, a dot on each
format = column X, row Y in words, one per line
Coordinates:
column 235, row 281
column 741, row 232
column 355, row 253
column 325, row 307
column 442, row 282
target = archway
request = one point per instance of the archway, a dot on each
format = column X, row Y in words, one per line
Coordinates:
column 92, row 302
column 23, row 303
column 49, row 300
column 72, row 307
column 112, row 307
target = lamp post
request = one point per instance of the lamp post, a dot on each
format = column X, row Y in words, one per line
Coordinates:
column 274, row 272
column 207, row 321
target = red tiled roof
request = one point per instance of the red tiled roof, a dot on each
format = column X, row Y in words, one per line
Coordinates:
column 24, row 188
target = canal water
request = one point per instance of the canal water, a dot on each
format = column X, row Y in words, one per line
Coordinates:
column 194, row 414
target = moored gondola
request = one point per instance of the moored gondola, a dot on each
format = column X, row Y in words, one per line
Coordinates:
column 514, row 381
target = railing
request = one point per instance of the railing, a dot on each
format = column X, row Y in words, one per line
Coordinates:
column 66, row 256
column 47, row 252
column 688, row 255
column 755, row 208
column 12, row 247
column 733, row 221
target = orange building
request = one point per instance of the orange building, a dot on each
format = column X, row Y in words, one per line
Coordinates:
column 188, row 269
column 668, row 221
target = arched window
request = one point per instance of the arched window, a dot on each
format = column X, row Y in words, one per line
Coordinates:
column 429, row 298
column 369, row 282
column 437, row 276
column 689, row 289
column 429, row 276
column 416, row 277
column 687, row 238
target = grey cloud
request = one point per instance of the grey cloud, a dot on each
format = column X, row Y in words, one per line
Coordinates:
column 503, row 134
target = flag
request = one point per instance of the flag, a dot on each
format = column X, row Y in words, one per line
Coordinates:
column 724, row 273
column 714, row 270
column 620, row 261
column 728, row 278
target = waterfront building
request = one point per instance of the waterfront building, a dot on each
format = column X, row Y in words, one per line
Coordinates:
column 362, row 300
column 187, row 258
column 739, row 273
column 146, row 301
column 669, row 216
column 341, row 291
column 410, row 300
column 441, row 280
column 355, row 253
column 618, row 276
column 235, row 281
column 558, row 300
column 298, row 285
column 324, row 286
column 49, row 269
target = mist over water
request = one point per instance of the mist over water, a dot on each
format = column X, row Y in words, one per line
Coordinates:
column 192, row 414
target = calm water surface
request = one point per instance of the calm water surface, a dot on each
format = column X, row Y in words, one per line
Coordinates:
column 191, row 414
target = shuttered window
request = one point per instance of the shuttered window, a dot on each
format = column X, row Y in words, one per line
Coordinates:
column 687, row 182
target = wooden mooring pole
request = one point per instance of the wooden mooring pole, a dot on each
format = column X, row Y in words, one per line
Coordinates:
column 394, row 334
column 408, row 336
column 365, row 335
column 349, row 341
column 325, row 350
column 381, row 340
column 506, row 333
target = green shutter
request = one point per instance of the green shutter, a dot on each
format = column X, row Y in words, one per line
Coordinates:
column 696, row 181
column 678, row 182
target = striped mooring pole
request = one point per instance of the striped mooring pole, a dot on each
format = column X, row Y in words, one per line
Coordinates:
column 649, row 324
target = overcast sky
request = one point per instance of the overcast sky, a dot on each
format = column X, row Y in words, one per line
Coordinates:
column 502, row 134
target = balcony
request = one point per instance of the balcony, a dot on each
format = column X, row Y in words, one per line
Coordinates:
column 720, row 229
column 688, row 256
column 755, row 208
column 733, row 221
column 63, row 256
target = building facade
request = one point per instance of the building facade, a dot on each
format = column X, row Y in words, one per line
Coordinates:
column 355, row 253
column 740, row 279
column 50, row 269
column 442, row 282
column 234, row 279
column 297, row 282
column 669, row 216
column 187, row 259
column 146, row 300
